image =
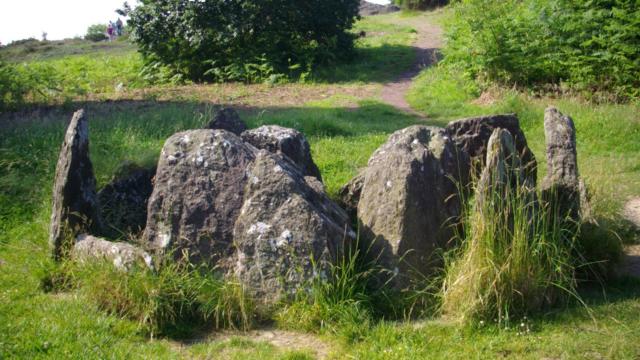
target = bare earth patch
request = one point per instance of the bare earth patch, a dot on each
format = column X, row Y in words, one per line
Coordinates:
column 281, row 339
column 631, row 265
column 427, row 46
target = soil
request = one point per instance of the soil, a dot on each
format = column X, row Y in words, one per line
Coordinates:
column 631, row 265
column 283, row 340
column 427, row 48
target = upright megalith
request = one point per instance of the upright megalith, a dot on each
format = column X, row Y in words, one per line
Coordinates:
column 199, row 189
column 227, row 119
column 289, row 142
column 561, row 186
column 472, row 135
column 75, row 204
column 409, row 200
column 503, row 177
column 287, row 232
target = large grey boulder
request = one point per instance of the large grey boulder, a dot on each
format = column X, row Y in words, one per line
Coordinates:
column 287, row 232
column 409, row 201
column 199, row 189
column 472, row 135
column 227, row 119
column 561, row 185
column 122, row 255
column 289, row 142
column 75, row 206
column 250, row 213
column 123, row 201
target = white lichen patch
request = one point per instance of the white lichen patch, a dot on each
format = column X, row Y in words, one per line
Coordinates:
column 258, row 228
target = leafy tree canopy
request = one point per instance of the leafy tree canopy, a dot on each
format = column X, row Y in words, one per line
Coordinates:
column 217, row 40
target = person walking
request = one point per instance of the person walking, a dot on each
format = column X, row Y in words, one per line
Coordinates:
column 110, row 31
column 119, row 27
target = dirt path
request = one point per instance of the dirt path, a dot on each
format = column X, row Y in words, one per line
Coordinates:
column 281, row 339
column 427, row 45
column 631, row 212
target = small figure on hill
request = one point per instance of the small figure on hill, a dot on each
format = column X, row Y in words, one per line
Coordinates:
column 44, row 36
column 110, row 31
column 119, row 27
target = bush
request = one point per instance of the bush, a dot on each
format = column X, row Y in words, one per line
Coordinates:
column 420, row 4
column 219, row 40
column 96, row 32
column 590, row 46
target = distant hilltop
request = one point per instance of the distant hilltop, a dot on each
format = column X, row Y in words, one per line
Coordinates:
column 368, row 9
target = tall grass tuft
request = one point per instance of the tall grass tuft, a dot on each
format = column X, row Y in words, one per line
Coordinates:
column 176, row 298
column 515, row 258
column 344, row 301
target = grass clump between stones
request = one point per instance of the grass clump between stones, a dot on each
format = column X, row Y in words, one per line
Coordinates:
column 174, row 300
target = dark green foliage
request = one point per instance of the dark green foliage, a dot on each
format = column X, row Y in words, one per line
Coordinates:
column 420, row 4
column 591, row 46
column 217, row 40
column 96, row 32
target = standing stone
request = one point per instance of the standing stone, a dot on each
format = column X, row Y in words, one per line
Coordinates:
column 504, row 175
column 287, row 233
column 123, row 201
column 227, row 119
column 561, row 185
column 75, row 205
column 289, row 142
column 349, row 196
column 472, row 136
column 198, row 193
column 409, row 201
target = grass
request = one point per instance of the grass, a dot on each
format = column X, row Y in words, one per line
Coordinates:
column 344, row 128
column 62, row 71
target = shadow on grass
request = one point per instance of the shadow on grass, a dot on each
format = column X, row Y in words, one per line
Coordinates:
column 379, row 64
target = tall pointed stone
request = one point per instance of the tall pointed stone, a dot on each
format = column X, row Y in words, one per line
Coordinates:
column 561, row 186
column 75, row 205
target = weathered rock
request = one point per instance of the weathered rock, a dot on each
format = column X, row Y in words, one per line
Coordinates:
column 472, row 136
column 123, row 256
column 198, row 193
column 289, row 142
column 349, row 196
column 75, row 205
column 409, row 199
column 503, row 176
column 561, row 185
column 227, row 119
column 286, row 232
column 123, row 202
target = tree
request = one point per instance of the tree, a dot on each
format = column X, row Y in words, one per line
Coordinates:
column 219, row 39
column 96, row 32
column 420, row 4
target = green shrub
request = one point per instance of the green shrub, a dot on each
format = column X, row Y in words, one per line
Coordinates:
column 420, row 4
column 221, row 40
column 96, row 32
column 586, row 45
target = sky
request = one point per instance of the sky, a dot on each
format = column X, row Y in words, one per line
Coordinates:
column 21, row 19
